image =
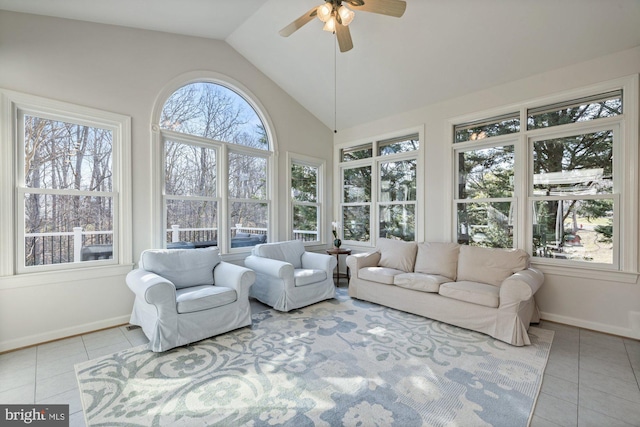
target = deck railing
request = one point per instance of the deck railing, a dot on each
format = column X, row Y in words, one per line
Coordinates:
column 82, row 245
column 176, row 234
column 66, row 246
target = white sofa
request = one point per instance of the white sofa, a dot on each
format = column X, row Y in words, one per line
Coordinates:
column 289, row 277
column 482, row 289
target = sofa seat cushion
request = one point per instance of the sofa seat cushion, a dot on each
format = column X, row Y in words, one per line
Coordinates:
column 473, row 292
column 308, row 276
column 198, row 298
column 420, row 282
column 379, row 274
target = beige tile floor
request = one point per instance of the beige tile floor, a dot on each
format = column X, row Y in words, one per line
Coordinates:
column 592, row 379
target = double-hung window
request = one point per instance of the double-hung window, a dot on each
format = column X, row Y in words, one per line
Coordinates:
column 575, row 177
column 485, row 194
column 553, row 178
column 379, row 193
column 306, row 176
column 70, row 179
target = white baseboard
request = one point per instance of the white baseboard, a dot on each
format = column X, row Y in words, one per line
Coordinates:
column 62, row 333
column 594, row 326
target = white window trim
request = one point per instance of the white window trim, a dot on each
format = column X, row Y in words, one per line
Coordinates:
column 374, row 161
column 158, row 220
column 627, row 154
column 12, row 104
column 321, row 165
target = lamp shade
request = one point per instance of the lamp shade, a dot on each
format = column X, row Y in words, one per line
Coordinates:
column 346, row 15
column 330, row 25
column 324, row 12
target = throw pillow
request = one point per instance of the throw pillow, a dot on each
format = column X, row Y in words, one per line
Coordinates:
column 438, row 258
column 397, row 254
column 489, row 265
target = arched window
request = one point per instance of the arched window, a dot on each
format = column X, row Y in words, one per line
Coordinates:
column 216, row 168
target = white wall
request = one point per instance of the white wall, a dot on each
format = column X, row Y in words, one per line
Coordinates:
column 596, row 303
column 123, row 71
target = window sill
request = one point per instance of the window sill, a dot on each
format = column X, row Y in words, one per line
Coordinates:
column 587, row 273
column 45, row 278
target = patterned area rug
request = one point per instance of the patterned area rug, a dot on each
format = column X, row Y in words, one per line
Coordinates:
column 337, row 363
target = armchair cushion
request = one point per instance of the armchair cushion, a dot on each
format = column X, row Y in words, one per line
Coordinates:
column 307, row 276
column 204, row 297
column 290, row 252
column 183, row 267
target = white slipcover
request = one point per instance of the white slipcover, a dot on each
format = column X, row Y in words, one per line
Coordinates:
column 503, row 311
column 288, row 277
column 210, row 296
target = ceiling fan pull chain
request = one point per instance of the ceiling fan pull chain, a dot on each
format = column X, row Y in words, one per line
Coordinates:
column 335, row 86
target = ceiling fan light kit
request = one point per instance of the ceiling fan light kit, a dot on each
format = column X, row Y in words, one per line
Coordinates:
column 337, row 16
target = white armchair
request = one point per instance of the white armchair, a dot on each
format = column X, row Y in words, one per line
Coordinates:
column 288, row 277
column 186, row 295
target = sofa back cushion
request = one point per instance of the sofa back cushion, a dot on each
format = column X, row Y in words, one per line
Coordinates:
column 290, row 251
column 397, row 254
column 183, row 267
column 488, row 265
column 439, row 259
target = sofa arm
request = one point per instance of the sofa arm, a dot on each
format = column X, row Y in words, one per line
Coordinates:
column 318, row 261
column 269, row 267
column 358, row 261
column 521, row 286
column 233, row 276
column 152, row 288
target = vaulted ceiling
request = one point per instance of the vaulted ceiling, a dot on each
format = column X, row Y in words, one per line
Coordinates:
column 439, row 49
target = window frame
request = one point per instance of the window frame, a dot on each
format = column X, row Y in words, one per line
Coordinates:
column 321, row 166
column 157, row 224
column 194, row 141
column 625, row 219
column 15, row 106
column 617, row 194
column 474, row 145
column 375, row 162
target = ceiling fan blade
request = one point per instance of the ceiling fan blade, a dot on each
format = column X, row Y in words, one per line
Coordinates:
column 298, row 23
column 344, row 37
column 385, row 7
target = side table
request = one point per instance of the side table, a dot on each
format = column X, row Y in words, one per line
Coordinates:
column 337, row 252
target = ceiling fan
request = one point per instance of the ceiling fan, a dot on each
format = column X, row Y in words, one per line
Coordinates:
column 337, row 16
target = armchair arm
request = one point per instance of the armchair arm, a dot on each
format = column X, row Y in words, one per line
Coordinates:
column 358, row 261
column 233, row 276
column 318, row 261
column 520, row 286
column 269, row 267
column 152, row 288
